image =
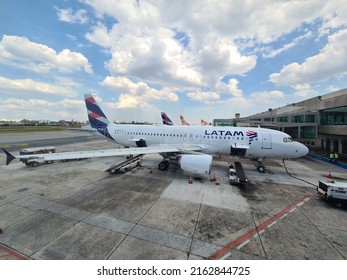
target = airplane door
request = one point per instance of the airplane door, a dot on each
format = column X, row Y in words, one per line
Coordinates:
column 266, row 141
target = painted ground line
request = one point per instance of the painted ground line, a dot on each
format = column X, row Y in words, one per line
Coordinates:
column 285, row 215
column 255, row 230
column 243, row 244
column 14, row 253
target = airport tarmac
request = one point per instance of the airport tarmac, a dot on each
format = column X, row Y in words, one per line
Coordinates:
column 76, row 210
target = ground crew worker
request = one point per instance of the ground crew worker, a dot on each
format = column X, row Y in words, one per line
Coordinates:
column 336, row 156
column 331, row 156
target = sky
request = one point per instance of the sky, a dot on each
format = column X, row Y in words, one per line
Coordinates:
column 202, row 59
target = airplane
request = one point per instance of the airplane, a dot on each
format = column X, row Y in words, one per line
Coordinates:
column 192, row 146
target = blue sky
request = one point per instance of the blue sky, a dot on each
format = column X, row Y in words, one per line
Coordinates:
column 201, row 59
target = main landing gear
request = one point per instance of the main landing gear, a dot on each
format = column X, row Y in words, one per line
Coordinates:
column 163, row 165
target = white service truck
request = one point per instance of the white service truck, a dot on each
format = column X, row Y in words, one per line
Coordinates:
column 34, row 151
column 332, row 191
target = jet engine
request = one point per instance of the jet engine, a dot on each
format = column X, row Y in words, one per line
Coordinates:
column 196, row 164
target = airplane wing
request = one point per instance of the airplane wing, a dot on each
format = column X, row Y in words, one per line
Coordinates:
column 107, row 153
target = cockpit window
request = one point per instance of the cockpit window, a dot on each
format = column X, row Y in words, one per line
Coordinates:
column 287, row 139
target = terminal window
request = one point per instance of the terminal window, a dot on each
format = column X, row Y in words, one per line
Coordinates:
column 335, row 116
column 310, row 118
column 282, row 119
column 297, row 119
column 308, row 132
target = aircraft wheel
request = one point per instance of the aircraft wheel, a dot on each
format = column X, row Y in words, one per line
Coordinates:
column 163, row 165
column 261, row 169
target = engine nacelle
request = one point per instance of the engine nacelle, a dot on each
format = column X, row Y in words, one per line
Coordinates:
column 196, row 164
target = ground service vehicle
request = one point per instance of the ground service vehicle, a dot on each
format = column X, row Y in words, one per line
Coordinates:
column 233, row 179
column 131, row 165
column 335, row 192
column 236, row 173
column 34, row 162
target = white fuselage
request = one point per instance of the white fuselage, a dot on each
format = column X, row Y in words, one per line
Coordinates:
column 256, row 142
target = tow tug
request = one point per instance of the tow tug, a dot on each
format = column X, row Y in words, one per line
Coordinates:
column 335, row 192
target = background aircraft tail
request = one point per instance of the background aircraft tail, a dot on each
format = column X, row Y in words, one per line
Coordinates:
column 166, row 119
column 96, row 116
column 183, row 121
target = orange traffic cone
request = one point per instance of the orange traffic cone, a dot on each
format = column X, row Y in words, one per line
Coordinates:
column 329, row 176
column 190, row 181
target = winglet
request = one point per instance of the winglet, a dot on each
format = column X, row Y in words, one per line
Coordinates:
column 9, row 156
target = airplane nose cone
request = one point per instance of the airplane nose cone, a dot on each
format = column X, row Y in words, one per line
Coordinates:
column 302, row 150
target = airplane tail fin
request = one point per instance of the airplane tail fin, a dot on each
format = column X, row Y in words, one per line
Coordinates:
column 166, row 119
column 183, row 121
column 9, row 156
column 96, row 116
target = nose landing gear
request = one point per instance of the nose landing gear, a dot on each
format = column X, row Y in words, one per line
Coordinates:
column 260, row 166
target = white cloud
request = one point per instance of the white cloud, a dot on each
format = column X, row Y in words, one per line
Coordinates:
column 328, row 63
column 231, row 87
column 270, row 53
column 303, row 90
column 143, row 45
column 27, row 109
column 189, row 47
column 203, row 96
column 22, row 53
column 23, row 86
column 192, row 45
column 214, row 97
column 267, row 97
column 67, row 15
column 136, row 94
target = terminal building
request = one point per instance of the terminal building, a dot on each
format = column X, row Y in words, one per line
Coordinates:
column 319, row 122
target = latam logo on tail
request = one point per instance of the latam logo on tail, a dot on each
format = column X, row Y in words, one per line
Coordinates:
column 252, row 135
